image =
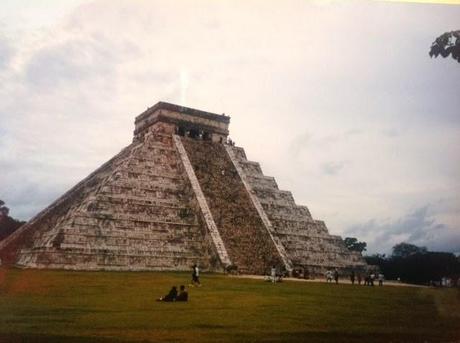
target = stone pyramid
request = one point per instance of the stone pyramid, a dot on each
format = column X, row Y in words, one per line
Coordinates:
column 179, row 194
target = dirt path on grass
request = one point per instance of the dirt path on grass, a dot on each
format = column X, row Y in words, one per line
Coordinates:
column 341, row 281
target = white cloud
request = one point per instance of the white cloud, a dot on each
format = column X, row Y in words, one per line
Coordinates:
column 419, row 227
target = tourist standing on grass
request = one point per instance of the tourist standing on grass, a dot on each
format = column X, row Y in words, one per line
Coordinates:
column 336, row 276
column 196, row 275
column 367, row 280
column 273, row 274
column 328, row 276
column 352, row 277
column 359, row 278
column 381, row 278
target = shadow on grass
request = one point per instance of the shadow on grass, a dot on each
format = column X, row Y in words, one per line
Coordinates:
column 33, row 338
column 347, row 337
column 279, row 337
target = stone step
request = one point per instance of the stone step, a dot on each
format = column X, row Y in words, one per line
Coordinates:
column 121, row 220
column 149, row 174
column 300, row 233
column 159, row 147
column 262, row 182
column 121, row 185
column 149, row 248
column 120, row 232
column 311, row 240
column 239, row 153
column 120, row 200
column 141, row 208
column 275, row 197
column 251, row 168
column 134, row 240
column 158, row 169
column 99, row 260
column 287, row 211
column 148, row 194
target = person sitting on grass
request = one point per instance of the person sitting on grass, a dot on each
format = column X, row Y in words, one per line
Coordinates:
column 183, row 294
column 171, row 296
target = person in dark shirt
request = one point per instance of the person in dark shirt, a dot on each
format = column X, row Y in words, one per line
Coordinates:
column 171, row 296
column 183, row 294
column 352, row 277
column 195, row 276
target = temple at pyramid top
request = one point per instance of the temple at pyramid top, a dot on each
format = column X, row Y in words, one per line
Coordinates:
column 186, row 121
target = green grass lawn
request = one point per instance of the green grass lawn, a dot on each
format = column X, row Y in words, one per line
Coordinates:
column 56, row 306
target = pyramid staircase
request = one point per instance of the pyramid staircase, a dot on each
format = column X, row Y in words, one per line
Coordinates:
column 242, row 230
column 307, row 241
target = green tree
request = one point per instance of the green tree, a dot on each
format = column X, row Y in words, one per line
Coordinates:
column 353, row 244
column 376, row 259
column 447, row 44
column 7, row 224
column 406, row 249
column 3, row 210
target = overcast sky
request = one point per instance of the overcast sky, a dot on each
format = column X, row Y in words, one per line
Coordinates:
column 338, row 100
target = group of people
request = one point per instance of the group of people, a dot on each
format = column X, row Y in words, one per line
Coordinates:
column 332, row 275
column 368, row 279
column 274, row 276
column 182, row 295
column 173, row 295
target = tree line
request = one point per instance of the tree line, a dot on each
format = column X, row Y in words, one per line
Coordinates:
column 7, row 224
column 411, row 263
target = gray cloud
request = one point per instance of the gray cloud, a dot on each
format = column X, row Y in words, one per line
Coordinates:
column 419, row 227
column 77, row 59
column 332, row 168
column 391, row 132
column 27, row 199
column 5, row 53
column 71, row 61
column 300, row 143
